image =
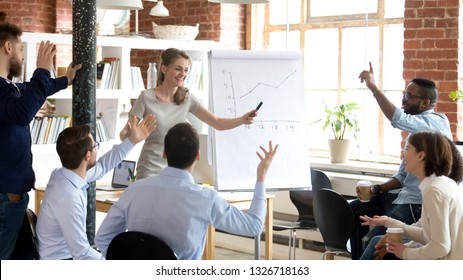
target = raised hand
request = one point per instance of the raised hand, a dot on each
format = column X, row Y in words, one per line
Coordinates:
column 138, row 132
column 265, row 161
column 45, row 55
column 368, row 78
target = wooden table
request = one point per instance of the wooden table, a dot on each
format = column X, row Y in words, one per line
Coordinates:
column 241, row 200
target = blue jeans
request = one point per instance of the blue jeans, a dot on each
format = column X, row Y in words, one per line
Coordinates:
column 368, row 254
column 11, row 220
column 382, row 205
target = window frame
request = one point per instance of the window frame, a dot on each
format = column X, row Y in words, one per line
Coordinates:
column 260, row 31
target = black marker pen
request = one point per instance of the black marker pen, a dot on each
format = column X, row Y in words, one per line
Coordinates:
column 257, row 109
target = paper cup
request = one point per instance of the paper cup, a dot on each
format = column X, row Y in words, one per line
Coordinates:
column 364, row 189
column 395, row 234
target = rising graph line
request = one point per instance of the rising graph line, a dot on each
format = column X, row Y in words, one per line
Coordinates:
column 268, row 85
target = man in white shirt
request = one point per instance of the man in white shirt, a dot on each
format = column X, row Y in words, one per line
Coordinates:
column 175, row 209
column 61, row 224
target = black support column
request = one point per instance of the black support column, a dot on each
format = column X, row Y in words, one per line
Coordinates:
column 84, row 90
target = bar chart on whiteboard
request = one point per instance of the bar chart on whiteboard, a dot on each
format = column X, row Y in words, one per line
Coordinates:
column 240, row 80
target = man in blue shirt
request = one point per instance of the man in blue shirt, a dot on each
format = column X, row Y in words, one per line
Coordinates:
column 61, row 223
column 19, row 102
column 178, row 211
column 400, row 197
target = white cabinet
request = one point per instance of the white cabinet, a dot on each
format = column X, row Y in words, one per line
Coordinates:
column 110, row 102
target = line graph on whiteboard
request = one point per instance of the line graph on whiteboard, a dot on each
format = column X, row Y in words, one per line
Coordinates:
column 241, row 94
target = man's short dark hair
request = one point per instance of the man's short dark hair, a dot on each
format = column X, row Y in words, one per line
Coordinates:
column 181, row 145
column 428, row 89
column 72, row 144
column 9, row 32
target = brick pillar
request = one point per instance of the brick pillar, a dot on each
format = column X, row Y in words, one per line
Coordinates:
column 432, row 51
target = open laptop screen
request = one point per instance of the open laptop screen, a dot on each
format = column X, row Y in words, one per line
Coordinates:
column 122, row 175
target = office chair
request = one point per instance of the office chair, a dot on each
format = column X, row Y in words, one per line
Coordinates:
column 135, row 245
column 303, row 201
column 335, row 220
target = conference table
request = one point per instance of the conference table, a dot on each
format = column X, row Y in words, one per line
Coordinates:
column 241, row 200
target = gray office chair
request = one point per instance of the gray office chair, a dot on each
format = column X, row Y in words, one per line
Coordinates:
column 303, row 201
column 135, row 245
column 335, row 220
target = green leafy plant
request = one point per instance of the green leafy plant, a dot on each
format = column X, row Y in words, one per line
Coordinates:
column 456, row 95
column 341, row 119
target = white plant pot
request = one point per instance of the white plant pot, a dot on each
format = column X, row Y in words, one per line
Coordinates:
column 339, row 150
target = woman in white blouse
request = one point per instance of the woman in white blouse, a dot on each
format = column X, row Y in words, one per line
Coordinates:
column 437, row 163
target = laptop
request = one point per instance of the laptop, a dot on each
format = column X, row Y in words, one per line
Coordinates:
column 121, row 176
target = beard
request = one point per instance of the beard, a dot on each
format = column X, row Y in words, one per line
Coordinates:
column 412, row 109
column 90, row 165
column 16, row 68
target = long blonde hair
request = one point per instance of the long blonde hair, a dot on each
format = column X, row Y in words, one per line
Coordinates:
column 168, row 57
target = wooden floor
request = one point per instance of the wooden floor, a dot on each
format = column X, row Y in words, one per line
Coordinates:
column 225, row 254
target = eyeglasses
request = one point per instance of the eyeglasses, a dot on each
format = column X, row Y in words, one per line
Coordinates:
column 97, row 145
column 408, row 96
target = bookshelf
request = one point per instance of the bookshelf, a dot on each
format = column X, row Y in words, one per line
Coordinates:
column 110, row 102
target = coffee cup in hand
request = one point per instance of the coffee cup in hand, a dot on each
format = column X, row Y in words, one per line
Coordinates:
column 364, row 190
column 395, row 234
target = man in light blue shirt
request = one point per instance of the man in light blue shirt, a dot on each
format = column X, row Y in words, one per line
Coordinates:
column 399, row 197
column 178, row 211
column 61, row 223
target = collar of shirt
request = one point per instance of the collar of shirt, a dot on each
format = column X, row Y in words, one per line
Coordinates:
column 75, row 179
column 10, row 82
column 178, row 173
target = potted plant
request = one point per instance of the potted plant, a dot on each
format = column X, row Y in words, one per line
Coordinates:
column 456, row 95
column 342, row 121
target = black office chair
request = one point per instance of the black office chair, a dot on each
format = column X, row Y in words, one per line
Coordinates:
column 32, row 218
column 303, row 201
column 135, row 245
column 335, row 220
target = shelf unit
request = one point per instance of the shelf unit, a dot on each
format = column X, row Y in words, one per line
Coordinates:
column 110, row 102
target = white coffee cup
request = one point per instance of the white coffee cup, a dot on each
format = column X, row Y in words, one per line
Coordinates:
column 364, row 190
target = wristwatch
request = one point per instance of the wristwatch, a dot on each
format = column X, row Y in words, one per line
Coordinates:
column 377, row 190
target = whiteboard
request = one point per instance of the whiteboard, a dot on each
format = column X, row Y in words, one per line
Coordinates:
column 239, row 80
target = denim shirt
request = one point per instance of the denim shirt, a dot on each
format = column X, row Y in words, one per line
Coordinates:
column 426, row 121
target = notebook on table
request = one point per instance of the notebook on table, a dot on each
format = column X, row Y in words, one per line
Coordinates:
column 122, row 175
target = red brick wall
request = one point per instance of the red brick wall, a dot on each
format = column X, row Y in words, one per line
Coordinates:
column 31, row 15
column 223, row 23
column 431, row 50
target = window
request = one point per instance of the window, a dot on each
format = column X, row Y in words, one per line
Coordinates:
column 338, row 38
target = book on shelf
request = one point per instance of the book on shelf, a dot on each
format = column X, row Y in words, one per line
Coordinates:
column 107, row 76
column 46, row 129
column 137, row 79
column 43, row 129
column 101, row 131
